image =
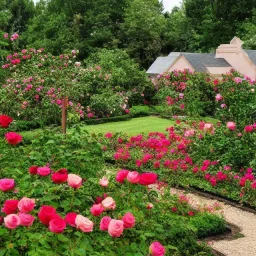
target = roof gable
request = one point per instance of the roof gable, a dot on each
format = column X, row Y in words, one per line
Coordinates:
column 162, row 64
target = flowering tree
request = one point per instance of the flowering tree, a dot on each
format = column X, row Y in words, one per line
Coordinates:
column 38, row 83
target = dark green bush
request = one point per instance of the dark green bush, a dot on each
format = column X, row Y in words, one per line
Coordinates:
column 208, row 225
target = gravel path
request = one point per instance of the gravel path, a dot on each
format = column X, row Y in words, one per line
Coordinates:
column 246, row 221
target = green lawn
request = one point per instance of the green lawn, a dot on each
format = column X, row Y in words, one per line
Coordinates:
column 131, row 127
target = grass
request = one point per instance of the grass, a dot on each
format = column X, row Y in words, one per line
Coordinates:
column 133, row 126
column 130, row 127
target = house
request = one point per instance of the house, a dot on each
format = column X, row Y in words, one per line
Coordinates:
column 227, row 56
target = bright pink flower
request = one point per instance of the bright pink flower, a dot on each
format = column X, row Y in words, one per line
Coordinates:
column 6, row 184
column 148, row 178
column 253, row 186
column 12, row 221
column 116, row 228
column 70, row 219
column 213, row 181
column 6, row 35
column 218, row 97
column 13, row 138
column 10, row 206
column 26, row 219
column 231, row 125
column 108, row 135
column 43, row 171
column 26, row 204
column 248, row 128
column 104, row 223
column 57, row 225
column 97, row 209
column 5, row 121
column 46, row 213
column 128, row 220
column 121, row 175
column 156, row 249
column 60, row 176
column 133, row 177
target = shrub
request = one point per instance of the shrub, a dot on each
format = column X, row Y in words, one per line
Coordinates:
column 186, row 93
column 208, row 225
column 136, row 111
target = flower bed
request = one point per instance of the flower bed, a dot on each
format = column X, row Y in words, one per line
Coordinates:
column 58, row 199
column 219, row 159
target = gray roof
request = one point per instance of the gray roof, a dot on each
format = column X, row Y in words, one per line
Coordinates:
column 199, row 61
column 252, row 55
column 161, row 64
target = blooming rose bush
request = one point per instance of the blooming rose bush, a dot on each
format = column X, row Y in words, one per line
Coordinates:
column 186, row 93
column 52, row 199
column 217, row 157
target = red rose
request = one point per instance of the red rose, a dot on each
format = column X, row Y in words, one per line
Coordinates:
column 148, row 178
column 46, row 213
column 33, row 170
column 5, row 121
column 10, row 206
column 121, row 175
column 13, row 138
column 60, row 176
column 57, row 225
column 71, row 218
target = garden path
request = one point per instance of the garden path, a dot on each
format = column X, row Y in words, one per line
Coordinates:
column 246, row 221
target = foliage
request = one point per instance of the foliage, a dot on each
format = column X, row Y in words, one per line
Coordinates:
column 81, row 154
column 235, row 90
column 186, row 93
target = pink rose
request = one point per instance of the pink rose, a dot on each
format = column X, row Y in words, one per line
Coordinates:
column 109, row 203
column 129, row 220
column 84, row 223
column 104, row 223
column 116, row 228
column 74, row 181
column 133, row 177
column 26, row 204
column 6, row 184
column 12, row 221
column 218, row 97
column 231, row 125
column 156, row 249
column 26, row 219
column 104, row 182
column 43, row 171
column 57, row 225
column 97, row 209
column 121, row 176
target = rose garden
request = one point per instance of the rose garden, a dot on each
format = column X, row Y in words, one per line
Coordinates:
column 106, row 192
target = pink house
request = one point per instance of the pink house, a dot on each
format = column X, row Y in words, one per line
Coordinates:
column 227, row 56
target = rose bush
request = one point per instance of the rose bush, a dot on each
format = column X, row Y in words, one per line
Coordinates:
column 56, row 205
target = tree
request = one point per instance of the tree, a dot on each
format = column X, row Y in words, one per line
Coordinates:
column 142, row 30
